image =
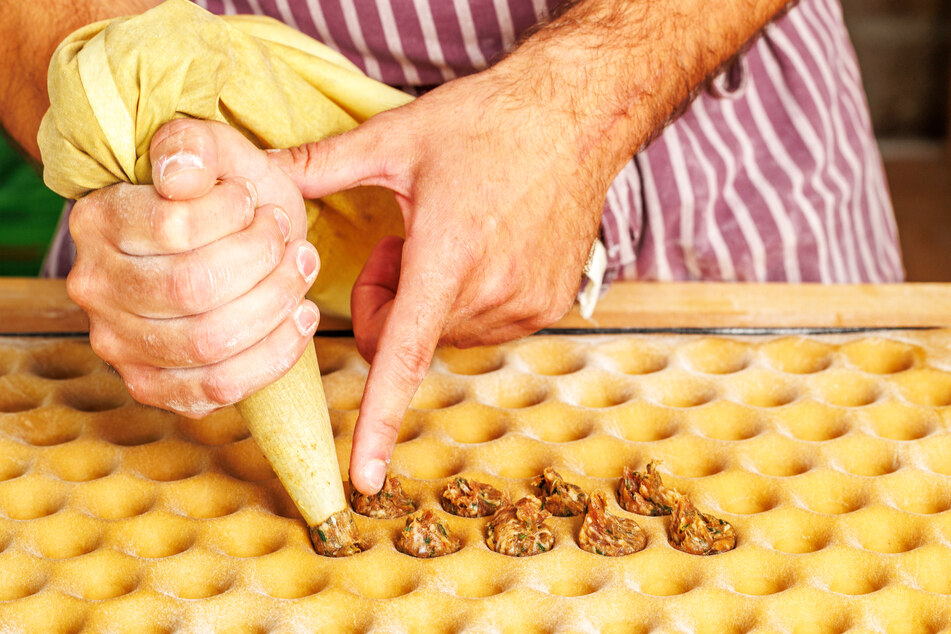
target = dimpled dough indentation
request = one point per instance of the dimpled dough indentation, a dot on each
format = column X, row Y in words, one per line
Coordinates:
column 438, row 392
column 635, row 355
column 929, row 568
column 862, row 455
column 676, row 388
column 881, row 529
column 845, row 388
column 153, row 535
column 915, row 491
column 550, row 356
column 165, row 461
column 31, row 497
column 15, row 458
column 290, row 574
column 641, row 421
column 64, row 535
column 595, row 389
column 725, row 420
column 132, row 425
column 103, row 574
column 895, row 420
column 24, row 576
column 830, row 455
column 250, row 534
column 716, row 356
column 810, row 420
column 20, row 393
column 81, row 460
column 469, row 422
column 194, row 574
column 63, row 360
column 218, row 428
column 44, row 426
column 94, row 393
column 114, row 497
column 925, row 386
column 470, row 361
column 797, row 355
column 759, row 387
column 777, row 456
column 881, row 356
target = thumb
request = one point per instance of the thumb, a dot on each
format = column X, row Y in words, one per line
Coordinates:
column 336, row 163
column 416, row 320
column 184, row 158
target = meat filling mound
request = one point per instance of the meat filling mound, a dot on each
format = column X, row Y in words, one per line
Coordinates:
column 425, row 536
column 645, row 493
column 559, row 497
column 697, row 533
column 607, row 534
column 471, row 499
column 388, row 504
column 519, row 530
column 336, row 536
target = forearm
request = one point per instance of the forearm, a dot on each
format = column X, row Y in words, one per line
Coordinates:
column 29, row 33
column 616, row 71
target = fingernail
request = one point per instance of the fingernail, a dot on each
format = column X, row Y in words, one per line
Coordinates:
column 174, row 166
column 283, row 223
column 307, row 263
column 374, row 472
column 306, row 319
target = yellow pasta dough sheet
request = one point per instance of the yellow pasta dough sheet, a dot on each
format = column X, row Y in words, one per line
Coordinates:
column 829, row 454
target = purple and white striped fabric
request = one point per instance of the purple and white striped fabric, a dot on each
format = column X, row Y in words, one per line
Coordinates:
column 772, row 174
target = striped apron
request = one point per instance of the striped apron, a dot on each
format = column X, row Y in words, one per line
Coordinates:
column 772, row 174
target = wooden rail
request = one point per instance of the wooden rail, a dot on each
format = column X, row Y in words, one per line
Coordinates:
column 42, row 306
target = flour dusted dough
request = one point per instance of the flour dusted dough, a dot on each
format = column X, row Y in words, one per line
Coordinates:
column 830, row 455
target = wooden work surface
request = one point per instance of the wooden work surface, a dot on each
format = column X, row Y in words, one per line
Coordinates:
column 42, row 306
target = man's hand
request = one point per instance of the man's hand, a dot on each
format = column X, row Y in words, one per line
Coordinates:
column 194, row 287
column 500, row 215
column 501, row 178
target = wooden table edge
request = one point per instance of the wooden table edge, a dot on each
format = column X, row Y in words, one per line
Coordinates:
column 38, row 306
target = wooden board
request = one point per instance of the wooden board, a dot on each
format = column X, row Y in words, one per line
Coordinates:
column 42, row 306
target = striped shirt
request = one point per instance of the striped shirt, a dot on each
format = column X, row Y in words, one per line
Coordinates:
column 772, row 174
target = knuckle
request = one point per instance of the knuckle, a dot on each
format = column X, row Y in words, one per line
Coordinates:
column 498, row 291
column 273, row 247
column 170, row 226
column 207, row 344
column 219, row 388
column 79, row 284
column 244, row 196
column 306, row 158
column 413, row 363
column 554, row 311
column 467, row 254
column 80, row 220
column 138, row 386
column 169, row 137
column 289, row 299
column 190, row 288
column 386, row 430
column 103, row 343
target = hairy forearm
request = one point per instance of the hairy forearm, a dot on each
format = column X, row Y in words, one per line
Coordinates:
column 29, row 33
column 617, row 70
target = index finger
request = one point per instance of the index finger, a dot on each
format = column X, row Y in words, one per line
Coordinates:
column 407, row 343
